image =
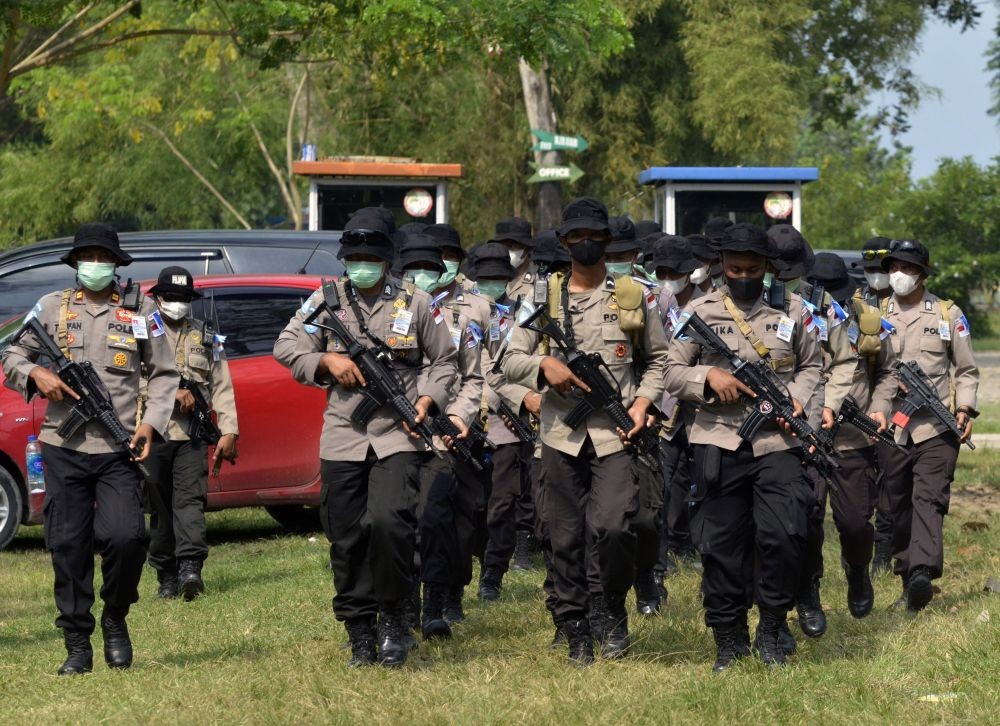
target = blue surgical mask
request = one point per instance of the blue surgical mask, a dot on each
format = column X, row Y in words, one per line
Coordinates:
column 449, row 274
column 618, row 269
column 95, row 276
column 364, row 274
column 426, row 280
column 494, row 289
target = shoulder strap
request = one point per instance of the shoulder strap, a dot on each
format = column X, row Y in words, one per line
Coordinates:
column 62, row 328
column 741, row 322
column 945, row 306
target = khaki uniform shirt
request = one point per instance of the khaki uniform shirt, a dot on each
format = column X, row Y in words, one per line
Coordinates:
column 458, row 310
column 522, row 288
column 688, row 365
column 102, row 334
column 196, row 361
column 839, row 364
column 594, row 315
column 425, row 361
column 917, row 337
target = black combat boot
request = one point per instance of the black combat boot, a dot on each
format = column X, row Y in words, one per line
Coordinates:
column 882, row 562
column 522, row 552
column 117, row 644
column 597, row 616
column 647, row 596
column 614, row 640
column 411, row 616
column 392, row 648
column 559, row 639
column 661, row 586
column 79, row 654
column 860, row 593
column 189, row 579
column 361, row 633
column 919, row 590
column 490, row 584
column 433, row 624
column 453, row 611
column 581, row 644
column 670, row 566
column 786, row 640
column 766, row 643
column 169, row 587
column 812, row 619
column 731, row 643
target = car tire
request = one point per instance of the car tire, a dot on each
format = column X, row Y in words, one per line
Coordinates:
column 11, row 508
column 296, row 517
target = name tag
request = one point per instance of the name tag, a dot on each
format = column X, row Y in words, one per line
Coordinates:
column 853, row 333
column 139, row 329
column 401, row 323
column 494, row 331
column 944, row 330
column 456, row 336
column 786, row 326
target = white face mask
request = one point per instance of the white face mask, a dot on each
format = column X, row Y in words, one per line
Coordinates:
column 877, row 280
column 903, row 284
column 700, row 275
column 175, row 310
column 674, row 286
column 516, row 257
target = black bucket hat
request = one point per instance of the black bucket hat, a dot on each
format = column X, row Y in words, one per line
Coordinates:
column 400, row 235
column 446, row 236
column 175, row 281
column 714, row 227
column 583, row 213
column 420, row 248
column 513, row 229
column 493, row 261
column 906, row 250
column 745, row 237
column 623, row 237
column 873, row 252
column 795, row 256
column 703, row 248
column 367, row 233
column 830, row 271
column 674, row 253
column 547, row 250
column 646, row 227
column 97, row 234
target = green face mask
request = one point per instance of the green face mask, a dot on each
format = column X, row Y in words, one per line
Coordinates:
column 492, row 288
column 449, row 274
column 95, row 275
column 426, row 280
column 793, row 284
column 619, row 269
column 364, row 274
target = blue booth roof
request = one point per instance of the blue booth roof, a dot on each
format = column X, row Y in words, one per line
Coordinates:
column 747, row 174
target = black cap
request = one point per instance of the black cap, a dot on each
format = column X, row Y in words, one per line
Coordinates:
column 400, row 235
column 795, row 256
column 877, row 248
column 703, row 248
column 97, row 234
column 714, row 227
column 623, row 237
column 746, row 238
column 514, row 229
column 420, row 248
column 674, row 253
column 175, row 281
column 367, row 233
column 830, row 271
column 493, row 261
column 646, row 227
column 906, row 250
column 583, row 213
column 547, row 250
column 446, row 236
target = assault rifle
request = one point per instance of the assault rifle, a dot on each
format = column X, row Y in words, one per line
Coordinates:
column 921, row 393
column 94, row 403
column 382, row 383
column 772, row 401
column 603, row 396
column 521, row 428
column 850, row 413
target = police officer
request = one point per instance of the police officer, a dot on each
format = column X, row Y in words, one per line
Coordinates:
column 93, row 491
column 750, row 497
column 178, row 466
column 548, row 255
column 590, row 481
column 701, row 248
column 935, row 334
column 873, row 383
column 370, row 473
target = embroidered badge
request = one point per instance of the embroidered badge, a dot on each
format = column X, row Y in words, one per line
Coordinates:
column 70, row 315
column 620, row 350
column 390, row 341
column 399, row 303
column 123, row 316
column 70, row 339
column 121, row 360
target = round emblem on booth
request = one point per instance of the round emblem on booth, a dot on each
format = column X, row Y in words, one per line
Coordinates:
column 778, row 205
column 418, row 202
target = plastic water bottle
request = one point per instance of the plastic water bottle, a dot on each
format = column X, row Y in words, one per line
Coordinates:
column 36, row 473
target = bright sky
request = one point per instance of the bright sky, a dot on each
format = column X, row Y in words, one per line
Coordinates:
column 956, row 124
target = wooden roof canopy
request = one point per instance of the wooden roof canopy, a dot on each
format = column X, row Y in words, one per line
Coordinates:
column 376, row 166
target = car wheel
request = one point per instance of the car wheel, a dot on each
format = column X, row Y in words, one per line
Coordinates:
column 10, row 508
column 296, row 517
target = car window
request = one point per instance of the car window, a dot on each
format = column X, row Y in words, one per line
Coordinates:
column 253, row 260
column 20, row 290
column 251, row 318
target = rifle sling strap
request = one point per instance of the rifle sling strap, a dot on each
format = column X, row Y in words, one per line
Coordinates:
column 758, row 345
column 62, row 328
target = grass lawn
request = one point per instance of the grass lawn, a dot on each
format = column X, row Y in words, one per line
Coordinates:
column 262, row 646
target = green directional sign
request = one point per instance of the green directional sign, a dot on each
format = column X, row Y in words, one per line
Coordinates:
column 542, row 173
column 548, row 141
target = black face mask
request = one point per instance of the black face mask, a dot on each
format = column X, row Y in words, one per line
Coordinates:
column 746, row 290
column 587, row 252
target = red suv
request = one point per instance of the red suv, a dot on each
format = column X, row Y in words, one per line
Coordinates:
column 280, row 420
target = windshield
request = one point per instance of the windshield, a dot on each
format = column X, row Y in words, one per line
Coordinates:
column 8, row 328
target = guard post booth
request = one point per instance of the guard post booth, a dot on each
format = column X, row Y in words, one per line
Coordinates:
column 685, row 197
column 411, row 190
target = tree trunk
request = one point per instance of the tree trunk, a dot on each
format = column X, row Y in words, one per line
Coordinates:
column 541, row 115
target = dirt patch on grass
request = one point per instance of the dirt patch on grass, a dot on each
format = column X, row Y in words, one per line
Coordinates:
column 975, row 499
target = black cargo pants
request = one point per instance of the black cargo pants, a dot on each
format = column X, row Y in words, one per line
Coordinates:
column 178, row 494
